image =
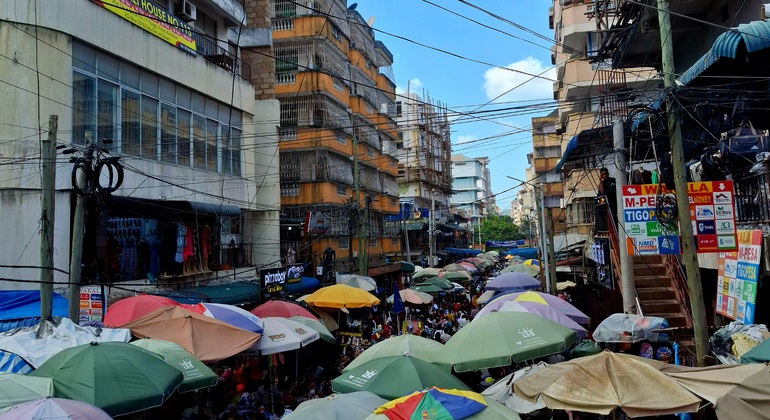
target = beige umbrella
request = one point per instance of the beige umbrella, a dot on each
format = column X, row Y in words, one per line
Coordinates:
column 327, row 320
column 606, row 381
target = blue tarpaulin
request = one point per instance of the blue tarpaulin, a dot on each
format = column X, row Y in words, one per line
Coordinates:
column 524, row 253
column 462, row 251
column 21, row 304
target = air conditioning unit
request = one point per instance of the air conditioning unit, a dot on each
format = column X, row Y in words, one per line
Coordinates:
column 765, row 11
column 187, row 11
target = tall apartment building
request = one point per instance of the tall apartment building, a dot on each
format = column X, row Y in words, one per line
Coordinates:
column 167, row 87
column 423, row 151
column 336, row 90
column 471, row 188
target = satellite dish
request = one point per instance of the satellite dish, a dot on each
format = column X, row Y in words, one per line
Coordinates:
column 353, row 6
column 370, row 21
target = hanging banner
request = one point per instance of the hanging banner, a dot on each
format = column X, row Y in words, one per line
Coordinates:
column 154, row 19
column 737, row 277
column 711, row 213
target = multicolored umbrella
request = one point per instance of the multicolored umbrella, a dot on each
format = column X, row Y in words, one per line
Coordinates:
column 538, row 297
column 413, row 296
column 395, row 376
column 282, row 309
column 232, row 315
column 341, row 296
column 434, row 403
column 414, row 345
column 531, row 261
column 513, row 281
column 17, row 389
column 128, row 309
column 54, row 409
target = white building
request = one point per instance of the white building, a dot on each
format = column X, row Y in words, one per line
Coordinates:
column 471, row 187
column 193, row 123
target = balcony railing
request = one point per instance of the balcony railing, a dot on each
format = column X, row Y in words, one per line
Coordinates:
column 213, row 53
column 752, row 199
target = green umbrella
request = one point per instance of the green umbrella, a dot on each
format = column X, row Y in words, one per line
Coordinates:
column 315, row 325
column 441, row 282
column 451, row 276
column 425, row 274
column 117, row 377
column 196, row 374
column 427, row 288
column 395, row 376
column 17, row 389
column 417, row 346
column 505, row 338
column 531, row 270
column 355, row 405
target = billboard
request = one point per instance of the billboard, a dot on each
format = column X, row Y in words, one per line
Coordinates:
column 737, row 277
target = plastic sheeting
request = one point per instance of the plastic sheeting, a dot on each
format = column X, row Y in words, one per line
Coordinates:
column 629, row 328
column 21, row 304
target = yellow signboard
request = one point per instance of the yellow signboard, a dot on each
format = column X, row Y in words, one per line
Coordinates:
column 154, row 19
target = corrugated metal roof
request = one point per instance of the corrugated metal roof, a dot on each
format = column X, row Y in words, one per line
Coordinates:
column 218, row 208
column 230, row 293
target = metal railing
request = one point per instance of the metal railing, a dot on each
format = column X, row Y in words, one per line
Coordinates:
column 214, row 53
column 752, row 199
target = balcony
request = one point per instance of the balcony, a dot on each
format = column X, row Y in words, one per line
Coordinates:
column 318, row 55
column 752, row 199
column 575, row 25
column 317, row 110
column 213, row 53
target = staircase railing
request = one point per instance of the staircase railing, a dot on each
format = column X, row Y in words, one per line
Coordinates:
column 675, row 272
column 612, row 233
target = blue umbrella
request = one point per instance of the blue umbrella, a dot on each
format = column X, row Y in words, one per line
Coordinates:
column 508, row 281
column 234, row 316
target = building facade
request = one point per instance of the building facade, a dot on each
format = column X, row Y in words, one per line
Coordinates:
column 172, row 93
column 338, row 136
column 471, row 188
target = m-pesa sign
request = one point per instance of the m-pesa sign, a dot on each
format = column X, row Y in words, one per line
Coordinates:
column 711, row 215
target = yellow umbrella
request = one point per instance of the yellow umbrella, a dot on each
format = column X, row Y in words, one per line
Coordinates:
column 341, row 296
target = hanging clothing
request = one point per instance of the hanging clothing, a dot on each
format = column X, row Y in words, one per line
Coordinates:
column 181, row 235
column 205, row 237
column 187, row 253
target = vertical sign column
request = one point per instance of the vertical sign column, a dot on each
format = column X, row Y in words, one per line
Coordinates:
column 737, row 278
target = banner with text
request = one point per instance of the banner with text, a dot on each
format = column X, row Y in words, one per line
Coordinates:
column 91, row 304
column 738, row 274
column 711, row 213
column 154, row 19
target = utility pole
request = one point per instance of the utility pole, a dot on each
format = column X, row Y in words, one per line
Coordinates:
column 48, row 211
column 406, row 235
column 357, row 195
column 543, row 242
column 551, row 253
column 76, row 251
column 431, row 227
column 626, row 261
column 694, row 285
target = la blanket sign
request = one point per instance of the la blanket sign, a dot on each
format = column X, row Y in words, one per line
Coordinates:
column 711, row 213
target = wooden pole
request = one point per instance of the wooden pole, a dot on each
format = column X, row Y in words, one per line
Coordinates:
column 47, row 204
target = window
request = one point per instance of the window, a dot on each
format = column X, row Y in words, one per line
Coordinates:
column 83, row 108
column 393, row 201
column 199, row 142
column 338, row 85
column 400, row 142
column 394, row 241
column 372, row 242
column 108, row 109
column 341, row 139
column 398, row 108
column 290, row 190
column 130, row 128
column 342, row 190
column 370, row 152
column 232, row 156
column 343, row 243
column 183, row 134
column 168, row 123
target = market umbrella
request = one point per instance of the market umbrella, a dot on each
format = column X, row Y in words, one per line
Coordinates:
column 502, row 391
column 17, row 388
column 281, row 308
column 117, row 377
column 469, row 266
column 456, row 275
column 564, row 285
column 54, row 409
column 394, row 376
column 129, row 309
column 355, row 280
column 606, row 381
column 412, row 296
column 234, row 316
column 316, row 326
column 531, row 261
column 443, row 283
column 531, row 270
column 425, row 273
column 759, row 354
column 513, row 281
column 353, row 406
column 414, row 345
column 327, row 320
column 196, row 374
column 434, row 403
column 477, row 262
column 537, row 297
column 427, row 288
column 546, row 312
column 453, row 267
column 341, row 296
column 208, row 339
column 507, row 337
column 283, row 334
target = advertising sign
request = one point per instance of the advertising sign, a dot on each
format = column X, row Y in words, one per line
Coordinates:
column 91, row 304
column 737, row 277
column 711, row 213
column 273, row 279
column 154, row 19
column 294, row 273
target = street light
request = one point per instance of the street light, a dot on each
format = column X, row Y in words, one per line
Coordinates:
column 546, row 256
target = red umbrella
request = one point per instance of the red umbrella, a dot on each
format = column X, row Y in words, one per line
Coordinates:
column 282, row 309
column 129, row 309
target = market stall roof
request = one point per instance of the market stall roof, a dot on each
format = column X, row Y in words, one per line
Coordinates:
column 586, row 144
column 304, row 284
column 231, row 293
column 21, row 308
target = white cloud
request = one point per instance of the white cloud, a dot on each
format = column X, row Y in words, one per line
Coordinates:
column 415, row 86
column 498, row 81
column 463, row 138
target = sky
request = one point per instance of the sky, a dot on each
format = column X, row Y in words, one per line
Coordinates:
column 478, row 65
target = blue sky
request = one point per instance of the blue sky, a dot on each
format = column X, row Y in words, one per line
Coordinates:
column 461, row 83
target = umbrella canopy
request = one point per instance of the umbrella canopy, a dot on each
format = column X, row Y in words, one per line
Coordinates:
column 546, row 312
column 427, row 288
column 234, row 316
column 456, row 275
column 54, row 409
column 537, row 297
column 208, row 339
column 629, row 328
column 281, row 308
column 606, row 381
column 531, row 261
column 341, row 296
column 316, row 326
column 494, row 411
column 477, row 262
column 453, row 267
column 196, row 374
column 117, row 377
column 13, row 363
column 355, row 280
column 759, row 354
column 564, row 285
column 413, row 296
column 425, row 273
column 395, row 376
column 283, row 334
column 513, row 281
column 486, row 297
column 469, row 266
column 434, row 403
column 353, row 406
column 327, row 320
column 441, row 282
column 507, row 337
column 502, row 391
column 129, row 309
column 530, row 270
column 17, row 389
column 414, row 345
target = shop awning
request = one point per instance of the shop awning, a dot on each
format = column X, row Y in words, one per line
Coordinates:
column 753, row 36
column 462, row 251
column 305, row 283
column 231, row 293
column 407, row 267
column 219, row 209
column 586, row 144
column 451, row 227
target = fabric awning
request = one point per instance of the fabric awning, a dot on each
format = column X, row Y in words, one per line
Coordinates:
column 451, row 227
column 587, row 143
column 22, row 304
column 753, row 36
column 219, row 209
column 231, row 293
column 415, row 225
column 305, row 283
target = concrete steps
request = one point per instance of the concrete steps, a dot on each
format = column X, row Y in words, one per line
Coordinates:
column 656, row 291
